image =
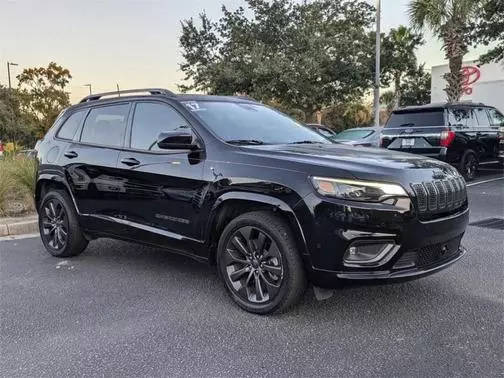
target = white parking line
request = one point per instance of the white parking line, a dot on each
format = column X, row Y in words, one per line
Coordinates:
column 485, row 181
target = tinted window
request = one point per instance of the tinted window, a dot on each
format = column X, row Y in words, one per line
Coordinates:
column 431, row 117
column 244, row 122
column 460, row 117
column 150, row 120
column 496, row 117
column 71, row 125
column 353, row 134
column 482, row 117
column 106, row 125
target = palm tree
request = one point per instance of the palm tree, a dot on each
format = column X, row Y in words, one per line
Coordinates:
column 403, row 43
column 449, row 20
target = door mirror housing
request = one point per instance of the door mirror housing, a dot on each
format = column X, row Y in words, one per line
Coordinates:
column 177, row 140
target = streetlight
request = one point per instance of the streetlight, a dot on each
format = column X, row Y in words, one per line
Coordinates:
column 89, row 85
column 377, row 67
column 9, row 64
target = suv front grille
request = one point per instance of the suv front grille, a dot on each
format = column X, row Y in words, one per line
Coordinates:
column 439, row 196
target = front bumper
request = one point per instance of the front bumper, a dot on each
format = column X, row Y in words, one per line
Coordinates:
column 425, row 247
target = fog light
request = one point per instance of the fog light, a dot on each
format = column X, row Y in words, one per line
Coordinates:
column 369, row 253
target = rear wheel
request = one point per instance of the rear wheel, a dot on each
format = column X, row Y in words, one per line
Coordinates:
column 259, row 263
column 59, row 228
column 468, row 165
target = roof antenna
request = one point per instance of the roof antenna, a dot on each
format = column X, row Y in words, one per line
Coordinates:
column 118, row 92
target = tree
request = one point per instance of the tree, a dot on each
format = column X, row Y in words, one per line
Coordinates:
column 449, row 20
column 416, row 88
column 490, row 28
column 388, row 99
column 398, row 55
column 14, row 125
column 42, row 94
column 300, row 55
column 347, row 115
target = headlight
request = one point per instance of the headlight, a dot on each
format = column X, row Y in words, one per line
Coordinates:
column 356, row 190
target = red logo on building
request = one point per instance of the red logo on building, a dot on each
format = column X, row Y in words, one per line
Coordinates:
column 470, row 75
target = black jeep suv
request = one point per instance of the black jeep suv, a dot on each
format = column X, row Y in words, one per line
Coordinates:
column 462, row 134
column 234, row 183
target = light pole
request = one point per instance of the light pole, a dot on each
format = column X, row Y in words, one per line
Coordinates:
column 9, row 64
column 377, row 66
column 90, row 90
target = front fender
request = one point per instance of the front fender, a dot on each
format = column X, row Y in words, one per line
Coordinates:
column 259, row 199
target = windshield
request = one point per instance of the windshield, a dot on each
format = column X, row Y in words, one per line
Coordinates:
column 244, row 123
column 353, row 134
column 431, row 117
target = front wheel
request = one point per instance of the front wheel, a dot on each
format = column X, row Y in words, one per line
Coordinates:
column 260, row 265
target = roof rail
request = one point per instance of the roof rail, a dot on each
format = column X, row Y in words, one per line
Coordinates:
column 152, row 91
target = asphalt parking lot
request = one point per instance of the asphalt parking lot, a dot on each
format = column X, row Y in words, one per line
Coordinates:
column 125, row 310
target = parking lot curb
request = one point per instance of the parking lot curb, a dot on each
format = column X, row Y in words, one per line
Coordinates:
column 19, row 227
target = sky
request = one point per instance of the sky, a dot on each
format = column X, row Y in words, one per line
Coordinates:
column 133, row 43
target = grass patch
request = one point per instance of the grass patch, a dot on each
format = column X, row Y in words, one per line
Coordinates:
column 17, row 184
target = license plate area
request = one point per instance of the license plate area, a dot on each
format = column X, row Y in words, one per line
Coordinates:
column 407, row 142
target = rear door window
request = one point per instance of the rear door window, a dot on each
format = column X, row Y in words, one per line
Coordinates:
column 496, row 118
column 462, row 117
column 431, row 117
column 71, row 125
column 106, row 125
column 482, row 117
column 150, row 120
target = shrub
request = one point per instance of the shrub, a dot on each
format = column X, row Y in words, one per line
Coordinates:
column 5, row 186
column 23, row 172
column 17, row 182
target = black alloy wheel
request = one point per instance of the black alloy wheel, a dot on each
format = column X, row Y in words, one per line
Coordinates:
column 253, row 265
column 259, row 262
column 54, row 224
column 59, row 225
column 470, row 167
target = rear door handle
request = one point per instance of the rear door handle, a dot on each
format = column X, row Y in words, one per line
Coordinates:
column 71, row 154
column 130, row 161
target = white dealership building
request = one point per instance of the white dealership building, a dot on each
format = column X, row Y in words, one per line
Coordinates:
column 482, row 83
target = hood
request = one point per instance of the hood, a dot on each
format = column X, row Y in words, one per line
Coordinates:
column 359, row 162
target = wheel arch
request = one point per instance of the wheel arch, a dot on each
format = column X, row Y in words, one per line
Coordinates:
column 47, row 181
column 232, row 204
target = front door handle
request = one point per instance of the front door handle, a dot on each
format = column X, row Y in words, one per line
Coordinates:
column 130, row 161
column 71, row 154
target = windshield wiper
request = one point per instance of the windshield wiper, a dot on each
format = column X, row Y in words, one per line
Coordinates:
column 406, row 124
column 245, row 141
column 306, row 142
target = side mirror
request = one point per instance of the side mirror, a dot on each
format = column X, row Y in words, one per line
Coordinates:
column 177, row 140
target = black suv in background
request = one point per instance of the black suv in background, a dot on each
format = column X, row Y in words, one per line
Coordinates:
column 462, row 134
column 232, row 182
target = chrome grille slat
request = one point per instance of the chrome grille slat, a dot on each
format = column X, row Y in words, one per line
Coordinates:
column 439, row 196
column 450, row 193
column 432, row 195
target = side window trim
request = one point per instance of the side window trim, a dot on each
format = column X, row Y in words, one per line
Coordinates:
column 129, row 130
column 79, row 139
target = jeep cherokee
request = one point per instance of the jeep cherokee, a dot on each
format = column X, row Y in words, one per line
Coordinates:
column 231, row 182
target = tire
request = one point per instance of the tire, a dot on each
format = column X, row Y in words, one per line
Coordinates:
column 59, row 227
column 276, row 263
column 468, row 165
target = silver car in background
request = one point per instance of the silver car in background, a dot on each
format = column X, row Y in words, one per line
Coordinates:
column 359, row 136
